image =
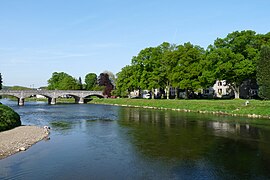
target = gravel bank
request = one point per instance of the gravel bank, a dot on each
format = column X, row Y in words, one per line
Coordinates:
column 20, row 139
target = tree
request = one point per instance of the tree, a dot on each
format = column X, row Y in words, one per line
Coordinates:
column 150, row 67
column 104, row 80
column 1, row 81
column 111, row 77
column 80, row 83
column 234, row 58
column 263, row 74
column 124, row 83
column 62, row 81
column 186, row 73
column 90, row 81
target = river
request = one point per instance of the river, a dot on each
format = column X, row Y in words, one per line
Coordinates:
column 90, row 141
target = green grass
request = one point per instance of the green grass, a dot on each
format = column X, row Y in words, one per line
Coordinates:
column 257, row 107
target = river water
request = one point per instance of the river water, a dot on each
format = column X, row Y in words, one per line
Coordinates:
column 90, row 141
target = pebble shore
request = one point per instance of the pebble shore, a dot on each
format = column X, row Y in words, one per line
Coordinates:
column 20, row 139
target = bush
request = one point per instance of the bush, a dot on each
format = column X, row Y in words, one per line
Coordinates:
column 8, row 118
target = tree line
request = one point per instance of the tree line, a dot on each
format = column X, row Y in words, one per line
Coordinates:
column 241, row 55
column 64, row 81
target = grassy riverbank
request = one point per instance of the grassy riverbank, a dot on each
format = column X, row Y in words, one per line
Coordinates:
column 255, row 108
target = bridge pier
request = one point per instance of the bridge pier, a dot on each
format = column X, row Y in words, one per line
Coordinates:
column 52, row 101
column 79, row 100
column 20, row 101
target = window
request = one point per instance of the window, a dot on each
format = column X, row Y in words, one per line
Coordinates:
column 219, row 83
column 219, row 91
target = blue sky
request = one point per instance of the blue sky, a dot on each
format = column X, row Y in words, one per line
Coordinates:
column 39, row 37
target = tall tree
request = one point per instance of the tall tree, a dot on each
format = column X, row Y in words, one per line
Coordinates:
column 80, row 83
column 188, row 69
column 104, row 80
column 234, row 58
column 263, row 74
column 125, row 82
column 90, row 81
column 111, row 77
column 151, row 67
column 1, row 81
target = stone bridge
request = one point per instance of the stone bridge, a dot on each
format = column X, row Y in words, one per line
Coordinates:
column 52, row 95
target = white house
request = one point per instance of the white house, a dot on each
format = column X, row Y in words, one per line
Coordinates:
column 220, row 89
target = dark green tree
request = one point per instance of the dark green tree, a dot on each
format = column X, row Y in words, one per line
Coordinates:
column 1, row 81
column 263, row 74
column 90, row 81
column 80, row 83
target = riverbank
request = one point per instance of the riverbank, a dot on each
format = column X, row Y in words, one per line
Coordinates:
column 252, row 109
column 20, row 139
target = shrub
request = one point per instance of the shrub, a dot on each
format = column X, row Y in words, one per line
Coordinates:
column 8, row 118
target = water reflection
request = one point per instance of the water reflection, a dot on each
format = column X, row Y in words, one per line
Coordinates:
column 241, row 150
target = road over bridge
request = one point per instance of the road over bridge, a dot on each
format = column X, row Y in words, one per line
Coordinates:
column 52, row 95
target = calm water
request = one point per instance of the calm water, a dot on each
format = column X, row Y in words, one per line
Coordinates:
column 107, row 142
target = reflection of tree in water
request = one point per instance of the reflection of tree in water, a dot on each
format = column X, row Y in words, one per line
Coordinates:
column 240, row 149
column 242, row 158
column 163, row 134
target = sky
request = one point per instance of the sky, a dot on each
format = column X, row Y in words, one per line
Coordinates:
column 39, row 37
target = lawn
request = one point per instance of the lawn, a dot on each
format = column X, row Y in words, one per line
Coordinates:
column 255, row 108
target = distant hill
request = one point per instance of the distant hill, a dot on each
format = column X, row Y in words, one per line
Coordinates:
column 15, row 88
column 6, row 87
column 19, row 88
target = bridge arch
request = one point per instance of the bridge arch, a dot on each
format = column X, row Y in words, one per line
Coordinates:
column 98, row 95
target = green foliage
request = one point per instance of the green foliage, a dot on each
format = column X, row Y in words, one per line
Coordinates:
column 90, row 81
column 62, row 81
column 8, row 118
column 125, row 81
column 188, row 69
column 161, row 67
column 19, row 88
column 234, row 58
column 263, row 74
column 98, row 88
